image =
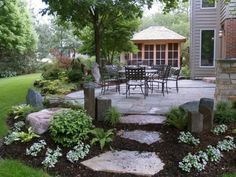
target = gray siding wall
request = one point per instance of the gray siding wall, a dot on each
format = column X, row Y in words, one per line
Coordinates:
column 226, row 11
column 201, row 19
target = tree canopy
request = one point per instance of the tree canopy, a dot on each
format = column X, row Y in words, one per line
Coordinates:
column 16, row 31
column 96, row 14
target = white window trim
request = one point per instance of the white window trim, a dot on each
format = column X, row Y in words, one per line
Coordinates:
column 208, row 7
column 200, row 55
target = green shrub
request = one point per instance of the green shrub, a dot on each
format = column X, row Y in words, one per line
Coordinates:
column 69, row 127
column 52, row 72
column 75, row 75
column 56, row 87
column 112, row 116
column 21, row 111
column 185, row 71
column 177, row 117
column 102, row 137
column 224, row 113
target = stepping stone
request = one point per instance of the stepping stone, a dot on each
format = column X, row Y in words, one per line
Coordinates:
column 141, row 136
column 134, row 162
column 142, row 119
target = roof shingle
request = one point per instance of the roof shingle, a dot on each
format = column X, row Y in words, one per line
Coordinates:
column 157, row 33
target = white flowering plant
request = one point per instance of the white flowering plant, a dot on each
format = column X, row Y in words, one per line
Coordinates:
column 36, row 148
column 213, row 153
column 52, row 157
column 79, row 152
column 18, row 126
column 219, row 129
column 197, row 161
column 188, row 138
column 227, row 144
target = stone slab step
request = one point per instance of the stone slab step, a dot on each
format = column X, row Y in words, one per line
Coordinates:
column 133, row 162
column 143, row 119
column 146, row 137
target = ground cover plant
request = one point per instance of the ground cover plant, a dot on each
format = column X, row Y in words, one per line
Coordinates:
column 225, row 112
column 176, row 117
column 112, row 116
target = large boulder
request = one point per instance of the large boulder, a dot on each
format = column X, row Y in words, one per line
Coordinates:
column 34, row 98
column 39, row 121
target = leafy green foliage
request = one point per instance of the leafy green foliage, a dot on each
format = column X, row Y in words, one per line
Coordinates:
column 57, row 87
column 177, row 117
column 79, row 152
column 52, row 71
column 101, row 137
column 16, row 28
column 234, row 104
column 112, row 116
column 69, row 127
column 185, row 71
column 20, row 136
column 224, row 113
column 21, row 111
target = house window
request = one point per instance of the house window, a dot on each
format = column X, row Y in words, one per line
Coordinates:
column 137, row 58
column 160, row 54
column 148, row 55
column 207, row 47
column 208, row 3
column 173, row 54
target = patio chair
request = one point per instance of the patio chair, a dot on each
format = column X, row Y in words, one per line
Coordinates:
column 109, row 77
column 163, row 79
column 136, row 77
column 174, row 76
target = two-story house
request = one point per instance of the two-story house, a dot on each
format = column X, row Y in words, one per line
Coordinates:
column 213, row 35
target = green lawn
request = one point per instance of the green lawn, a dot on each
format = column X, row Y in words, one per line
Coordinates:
column 13, row 168
column 13, row 91
column 229, row 175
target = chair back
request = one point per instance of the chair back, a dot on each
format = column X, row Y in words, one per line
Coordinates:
column 135, row 73
column 166, row 73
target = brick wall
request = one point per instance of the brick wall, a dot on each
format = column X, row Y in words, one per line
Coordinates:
column 230, row 38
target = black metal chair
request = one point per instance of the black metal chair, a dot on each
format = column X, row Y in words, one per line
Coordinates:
column 109, row 77
column 174, row 76
column 163, row 79
column 136, row 77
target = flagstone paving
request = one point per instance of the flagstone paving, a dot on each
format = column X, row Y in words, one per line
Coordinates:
column 141, row 136
column 133, row 162
column 143, row 119
column 155, row 103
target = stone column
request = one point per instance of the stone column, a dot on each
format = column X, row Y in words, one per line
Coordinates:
column 89, row 99
column 102, row 106
column 225, row 80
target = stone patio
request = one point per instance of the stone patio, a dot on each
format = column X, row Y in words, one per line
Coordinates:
column 155, row 103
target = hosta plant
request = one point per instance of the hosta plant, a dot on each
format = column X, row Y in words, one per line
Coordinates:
column 36, row 148
column 219, row 129
column 79, row 152
column 20, row 136
column 52, row 157
column 188, row 138
column 21, row 111
column 101, row 137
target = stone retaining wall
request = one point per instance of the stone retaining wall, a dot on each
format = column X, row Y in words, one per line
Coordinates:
column 225, row 79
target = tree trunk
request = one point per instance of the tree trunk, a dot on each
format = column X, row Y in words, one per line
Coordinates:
column 97, row 37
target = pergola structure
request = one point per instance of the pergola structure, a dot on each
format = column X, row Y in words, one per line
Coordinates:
column 157, row 45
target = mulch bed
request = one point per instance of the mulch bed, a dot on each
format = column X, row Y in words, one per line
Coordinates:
column 169, row 150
